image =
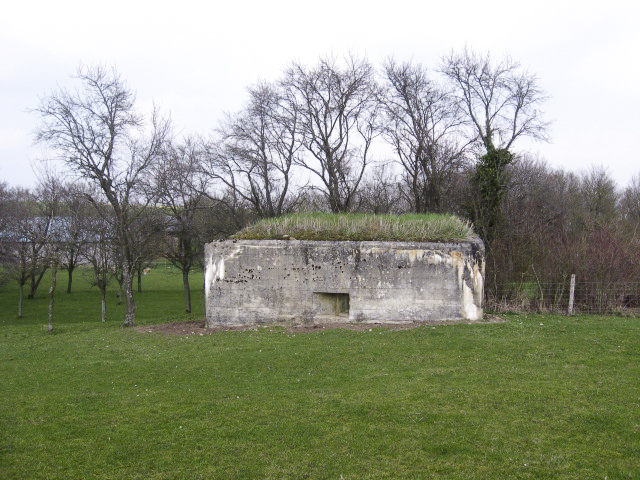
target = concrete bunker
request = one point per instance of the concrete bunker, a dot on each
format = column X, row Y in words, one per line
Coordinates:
column 250, row 282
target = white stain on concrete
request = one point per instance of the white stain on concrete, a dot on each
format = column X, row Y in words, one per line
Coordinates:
column 220, row 270
column 208, row 276
column 471, row 310
column 478, row 283
column 418, row 255
column 472, row 288
column 215, row 270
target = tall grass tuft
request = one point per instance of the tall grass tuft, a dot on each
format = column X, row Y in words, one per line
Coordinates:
column 360, row 227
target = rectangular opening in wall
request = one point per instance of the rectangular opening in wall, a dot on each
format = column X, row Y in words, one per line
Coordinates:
column 336, row 304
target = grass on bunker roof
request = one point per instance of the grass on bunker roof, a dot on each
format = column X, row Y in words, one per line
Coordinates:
column 360, row 227
column 535, row 397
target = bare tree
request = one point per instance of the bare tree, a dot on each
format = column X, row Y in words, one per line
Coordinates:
column 30, row 235
column 536, row 212
column 501, row 102
column 118, row 269
column 181, row 191
column 98, row 134
column 147, row 234
column 52, row 292
column 5, row 201
column 35, row 232
column 381, row 191
column 75, row 209
column 338, row 112
column 51, row 192
column 99, row 252
column 630, row 204
column 599, row 196
column 16, row 239
column 257, row 149
column 423, row 125
column 4, row 233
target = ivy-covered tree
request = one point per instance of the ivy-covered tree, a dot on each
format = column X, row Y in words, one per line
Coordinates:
column 500, row 102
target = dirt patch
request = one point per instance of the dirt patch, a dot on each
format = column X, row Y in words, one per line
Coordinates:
column 184, row 328
column 198, row 327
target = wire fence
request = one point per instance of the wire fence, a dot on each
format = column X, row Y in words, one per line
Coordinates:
column 588, row 297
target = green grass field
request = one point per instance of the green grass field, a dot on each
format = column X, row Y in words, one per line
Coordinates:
column 544, row 397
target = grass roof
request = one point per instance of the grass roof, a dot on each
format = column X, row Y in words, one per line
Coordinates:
column 360, row 227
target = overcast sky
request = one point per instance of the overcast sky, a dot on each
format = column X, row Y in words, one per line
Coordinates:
column 195, row 59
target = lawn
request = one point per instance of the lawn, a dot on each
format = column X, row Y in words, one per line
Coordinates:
column 533, row 397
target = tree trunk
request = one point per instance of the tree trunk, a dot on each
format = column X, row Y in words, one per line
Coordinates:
column 70, row 280
column 20, row 301
column 34, row 284
column 130, row 317
column 139, row 280
column 52, row 291
column 187, row 291
column 119, row 293
column 103, row 293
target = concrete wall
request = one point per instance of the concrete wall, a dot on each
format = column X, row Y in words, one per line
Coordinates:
column 254, row 282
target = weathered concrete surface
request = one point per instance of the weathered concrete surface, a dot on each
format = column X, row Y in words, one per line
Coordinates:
column 255, row 282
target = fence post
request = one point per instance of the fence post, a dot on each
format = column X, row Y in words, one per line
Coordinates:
column 572, row 289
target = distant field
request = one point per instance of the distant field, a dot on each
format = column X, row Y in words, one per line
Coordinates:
column 535, row 397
